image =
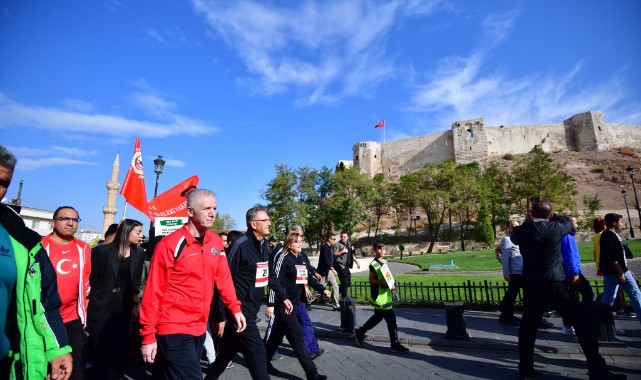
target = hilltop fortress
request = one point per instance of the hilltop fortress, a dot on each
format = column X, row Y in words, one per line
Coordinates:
column 471, row 140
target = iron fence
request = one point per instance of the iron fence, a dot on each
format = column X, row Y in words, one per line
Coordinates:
column 475, row 295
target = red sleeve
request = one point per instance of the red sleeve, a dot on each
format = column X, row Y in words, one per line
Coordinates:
column 87, row 270
column 155, row 288
column 225, row 286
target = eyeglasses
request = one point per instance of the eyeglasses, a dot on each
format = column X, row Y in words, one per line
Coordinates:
column 66, row 219
column 260, row 220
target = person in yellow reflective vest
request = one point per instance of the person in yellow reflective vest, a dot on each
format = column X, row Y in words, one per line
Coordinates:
column 382, row 285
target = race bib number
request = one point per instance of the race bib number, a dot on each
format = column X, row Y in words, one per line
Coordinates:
column 387, row 275
column 301, row 274
column 262, row 274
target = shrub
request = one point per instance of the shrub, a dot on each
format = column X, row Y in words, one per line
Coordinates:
column 509, row 157
column 627, row 151
column 598, row 169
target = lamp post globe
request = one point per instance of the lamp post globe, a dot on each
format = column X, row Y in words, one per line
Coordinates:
column 159, row 164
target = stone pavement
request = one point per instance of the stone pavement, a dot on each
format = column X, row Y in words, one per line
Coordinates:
column 491, row 352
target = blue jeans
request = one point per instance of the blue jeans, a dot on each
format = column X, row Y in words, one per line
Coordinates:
column 611, row 285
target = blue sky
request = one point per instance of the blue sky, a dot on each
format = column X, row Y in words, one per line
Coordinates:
column 228, row 89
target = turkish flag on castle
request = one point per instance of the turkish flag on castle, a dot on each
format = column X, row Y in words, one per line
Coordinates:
column 172, row 202
column 133, row 189
column 380, row 125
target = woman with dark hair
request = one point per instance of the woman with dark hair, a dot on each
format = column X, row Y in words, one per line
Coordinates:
column 113, row 301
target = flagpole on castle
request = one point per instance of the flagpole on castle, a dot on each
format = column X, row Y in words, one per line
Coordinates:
column 381, row 124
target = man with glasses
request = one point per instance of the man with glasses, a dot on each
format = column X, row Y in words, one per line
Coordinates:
column 344, row 258
column 249, row 265
column 326, row 270
column 71, row 259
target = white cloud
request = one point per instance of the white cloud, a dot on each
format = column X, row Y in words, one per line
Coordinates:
column 153, row 33
column 15, row 115
column 325, row 52
column 33, row 164
column 74, row 151
column 78, row 105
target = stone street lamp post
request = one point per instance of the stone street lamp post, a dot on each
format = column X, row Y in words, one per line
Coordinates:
column 625, row 200
column 630, row 171
column 159, row 164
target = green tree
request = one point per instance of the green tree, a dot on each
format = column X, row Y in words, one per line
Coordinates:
column 314, row 188
column 484, row 231
column 282, row 197
column 351, row 191
column 494, row 188
column 464, row 195
column 536, row 175
column 405, row 200
column 381, row 200
column 223, row 222
column 592, row 206
column 435, row 182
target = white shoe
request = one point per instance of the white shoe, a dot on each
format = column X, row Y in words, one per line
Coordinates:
column 568, row 330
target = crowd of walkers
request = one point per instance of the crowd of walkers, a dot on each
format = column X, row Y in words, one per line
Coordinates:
column 70, row 312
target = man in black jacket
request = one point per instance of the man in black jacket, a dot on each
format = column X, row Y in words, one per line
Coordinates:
column 326, row 270
column 539, row 240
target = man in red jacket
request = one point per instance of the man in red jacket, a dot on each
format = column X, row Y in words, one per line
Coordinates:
column 185, row 267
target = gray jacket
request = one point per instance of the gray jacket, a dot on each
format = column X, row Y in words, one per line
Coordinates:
column 511, row 258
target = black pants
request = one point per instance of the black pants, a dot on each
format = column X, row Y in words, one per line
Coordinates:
column 390, row 318
column 179, row 356
column 345, row 277
column 506, row 307
column 587, row 295
column 288, row 326
column 249, row 343
column 109, row 336
column 556, row 294
column 76, row 335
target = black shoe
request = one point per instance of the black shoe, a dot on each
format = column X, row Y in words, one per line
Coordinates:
column 607, row 375
column 358, row 336
column 316, row 376
column 509, row 320
column 309, row 307
column 273, row 371
column 319, row 353
column 545, row 324
column 530, row 375
column 399, row 348
column 336, row 309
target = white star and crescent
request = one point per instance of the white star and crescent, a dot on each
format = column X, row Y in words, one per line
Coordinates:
column 59, row 266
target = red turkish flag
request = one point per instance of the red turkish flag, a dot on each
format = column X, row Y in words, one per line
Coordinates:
column 172, row 202
column 133, row 188
column 380, row 125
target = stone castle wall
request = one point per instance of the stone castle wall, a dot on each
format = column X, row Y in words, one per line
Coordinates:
column 471, row 140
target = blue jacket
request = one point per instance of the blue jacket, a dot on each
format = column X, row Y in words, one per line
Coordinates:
column 571, row 257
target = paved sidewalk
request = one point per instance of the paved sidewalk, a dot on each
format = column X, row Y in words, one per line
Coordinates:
column 491, row 352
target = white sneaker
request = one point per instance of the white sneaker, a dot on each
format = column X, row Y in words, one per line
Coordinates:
column 568, row 330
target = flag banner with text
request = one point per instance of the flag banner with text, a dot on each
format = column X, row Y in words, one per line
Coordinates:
column 133, row 188
column 381, row 124
column 172, row 202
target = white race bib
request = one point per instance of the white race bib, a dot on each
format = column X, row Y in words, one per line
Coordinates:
column 262, row 274
column 387, row 275
column 301, row 274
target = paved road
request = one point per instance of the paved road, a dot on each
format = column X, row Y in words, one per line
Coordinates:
column 489, row 354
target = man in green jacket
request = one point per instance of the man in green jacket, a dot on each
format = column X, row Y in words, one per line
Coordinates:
column 32, row 335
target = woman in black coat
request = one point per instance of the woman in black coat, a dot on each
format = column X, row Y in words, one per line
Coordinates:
column 116, row 269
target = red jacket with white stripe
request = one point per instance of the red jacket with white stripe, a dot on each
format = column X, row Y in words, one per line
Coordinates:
column 180, row 285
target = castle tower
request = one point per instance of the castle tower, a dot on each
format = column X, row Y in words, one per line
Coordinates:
column 470, row 142
column 588, row 131
column 113, row 186
column 368, row 157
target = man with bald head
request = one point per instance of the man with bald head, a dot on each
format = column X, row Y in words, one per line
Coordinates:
column 539, row 240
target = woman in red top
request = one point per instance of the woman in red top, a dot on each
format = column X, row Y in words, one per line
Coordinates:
column 113, row 301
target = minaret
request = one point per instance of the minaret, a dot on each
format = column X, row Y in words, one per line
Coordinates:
column 113, row 186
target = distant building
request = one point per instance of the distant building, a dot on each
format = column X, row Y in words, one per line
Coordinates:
column 36, row 219
column 86, row 235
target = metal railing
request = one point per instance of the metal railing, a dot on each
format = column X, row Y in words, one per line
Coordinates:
column 475, row 295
